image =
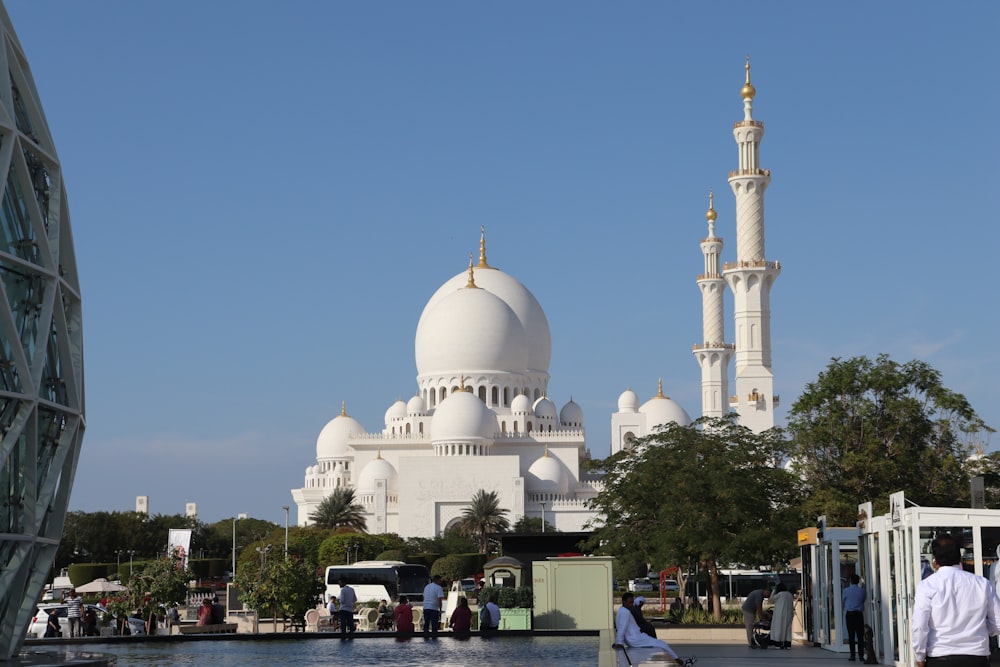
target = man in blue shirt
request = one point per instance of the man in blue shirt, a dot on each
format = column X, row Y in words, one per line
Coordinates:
column 348, row 599
column 854, row 613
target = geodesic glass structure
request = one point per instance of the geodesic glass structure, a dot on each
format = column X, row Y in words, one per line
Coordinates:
column 41, row 347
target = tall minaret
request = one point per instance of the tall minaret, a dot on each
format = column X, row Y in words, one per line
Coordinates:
column 713, row 354
column 751, row 276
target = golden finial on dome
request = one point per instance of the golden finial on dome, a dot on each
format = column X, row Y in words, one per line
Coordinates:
column 343, row 408
column 472, row 278
column 748, row 91
column 378, row 456
column 482, row 248
column 711, row 215
column 546, row 451
column 659, row 388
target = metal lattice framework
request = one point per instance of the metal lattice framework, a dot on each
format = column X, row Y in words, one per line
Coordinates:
column 41, row 347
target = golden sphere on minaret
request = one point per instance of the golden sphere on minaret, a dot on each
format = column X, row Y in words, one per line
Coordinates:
column 710, row 214
column 748, row 91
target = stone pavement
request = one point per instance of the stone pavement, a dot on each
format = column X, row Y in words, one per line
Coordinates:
column 729, row 654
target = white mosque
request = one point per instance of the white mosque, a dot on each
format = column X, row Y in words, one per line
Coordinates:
column 482, row 351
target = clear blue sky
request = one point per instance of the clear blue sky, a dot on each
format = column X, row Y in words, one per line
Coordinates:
column 265, row 194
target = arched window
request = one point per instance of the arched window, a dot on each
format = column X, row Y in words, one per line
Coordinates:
column 506, row 397
column 482, row 394
column 538, row 394
column 515, row 428
column 528, row 426
column 407, row 429
column 443, row 393
column 420, row 428
column 495, row 396
column 503, row 427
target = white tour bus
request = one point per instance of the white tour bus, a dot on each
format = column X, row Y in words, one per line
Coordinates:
column 379, row 580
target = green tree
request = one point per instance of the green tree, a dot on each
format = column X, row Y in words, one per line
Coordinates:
column 483, row 516
column 338, row 510
column 153, row 586
column 867, row 428
column 286, row 587
column 531, row 524
column 349, row 547
column 713, row 492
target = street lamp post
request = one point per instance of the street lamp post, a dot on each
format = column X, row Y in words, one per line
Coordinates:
column 131, row 553
column 543, row 515
column 285, row 507
column 241, row 515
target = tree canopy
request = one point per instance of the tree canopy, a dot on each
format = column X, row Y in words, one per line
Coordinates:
column 867, row 428
column 710, row 493
column 339, row 510
column 482, row 517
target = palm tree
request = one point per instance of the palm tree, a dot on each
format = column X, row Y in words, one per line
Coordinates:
column 483, row 516
column 338, row 510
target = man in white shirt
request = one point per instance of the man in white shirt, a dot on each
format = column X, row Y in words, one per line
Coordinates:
column 627, row 631
column 954, row 612
column 433, row 597
column 493, row 612
column 348, row 598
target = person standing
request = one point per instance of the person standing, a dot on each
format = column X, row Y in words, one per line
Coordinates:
column 433, row 597
column 954, row 612
column 627, row 631
column 854, row 616
column 781, row 620
column 348, row 598
column 753, row 609
column 403, row 613
column 74, row 613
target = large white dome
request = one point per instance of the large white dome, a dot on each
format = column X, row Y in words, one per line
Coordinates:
column 628, row 401
column 396, row 411
column 662, row 410
column 462, row 417
column 571, row 414
column 520, row 300
column 547, row 475
column 332, row 440
column 377, row 468
column 469, row 330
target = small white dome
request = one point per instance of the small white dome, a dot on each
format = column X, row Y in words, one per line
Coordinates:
column 547, row 475
column 663, row 410
column 462, row 417
column 571, row 414
column 469, row 330
column 396, row 411
column 332, row 440
column 544, row 408
column 628, row 401
column 378, row 468
column 416, row 406
column 520, row 404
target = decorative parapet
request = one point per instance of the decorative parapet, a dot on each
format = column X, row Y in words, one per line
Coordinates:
column 714, row 346
column 752, row 264
column 748, row 123
column 749, row 172
column 710, row 276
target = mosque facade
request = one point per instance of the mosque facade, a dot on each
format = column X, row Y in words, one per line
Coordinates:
column 482, row 398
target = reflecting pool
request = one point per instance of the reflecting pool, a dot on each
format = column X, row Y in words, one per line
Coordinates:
column 415, row 652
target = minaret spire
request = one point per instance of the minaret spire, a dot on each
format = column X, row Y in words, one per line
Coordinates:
column 472, row 278
column 482, row 248
column 713, row 353
column 751, row 276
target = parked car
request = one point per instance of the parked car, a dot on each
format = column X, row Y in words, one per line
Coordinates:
column 640, row 585
column 37, row 628
column 671, row 588
column 469, row 584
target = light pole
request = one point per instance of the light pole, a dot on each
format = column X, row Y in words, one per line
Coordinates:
column 241, row 515
column 131, row 553
column 285, row 507
column 543, row 515
column 263, row 555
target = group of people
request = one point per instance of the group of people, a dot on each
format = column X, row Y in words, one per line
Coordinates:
column 779, row 618
column 209, row 613
column 401, row 615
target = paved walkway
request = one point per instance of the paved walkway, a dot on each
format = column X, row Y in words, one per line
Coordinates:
column 730, row 655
